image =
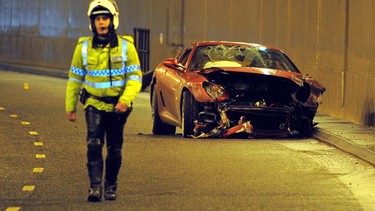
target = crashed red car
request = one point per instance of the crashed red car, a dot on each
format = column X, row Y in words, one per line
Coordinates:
column 230, row 89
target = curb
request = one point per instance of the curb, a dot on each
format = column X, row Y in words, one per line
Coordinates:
column 344, row 145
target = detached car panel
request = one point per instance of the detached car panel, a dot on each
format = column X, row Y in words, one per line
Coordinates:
column 226, row 89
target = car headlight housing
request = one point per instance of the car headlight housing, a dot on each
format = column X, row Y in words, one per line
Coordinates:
column 215, row 91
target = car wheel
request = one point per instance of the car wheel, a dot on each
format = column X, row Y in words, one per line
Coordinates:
column 159, row 127
column 306, row 127
column 189, row 113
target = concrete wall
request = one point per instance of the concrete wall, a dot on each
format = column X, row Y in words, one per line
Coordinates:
column 328, row 39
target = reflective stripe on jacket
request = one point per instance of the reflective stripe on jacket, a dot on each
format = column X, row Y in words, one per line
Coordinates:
column 104, row 72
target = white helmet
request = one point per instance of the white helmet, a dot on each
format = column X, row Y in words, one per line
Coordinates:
column 98, row 7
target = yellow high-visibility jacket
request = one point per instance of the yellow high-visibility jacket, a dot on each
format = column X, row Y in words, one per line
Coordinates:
column 91, row 69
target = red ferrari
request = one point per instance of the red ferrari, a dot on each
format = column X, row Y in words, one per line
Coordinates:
column 232, row 89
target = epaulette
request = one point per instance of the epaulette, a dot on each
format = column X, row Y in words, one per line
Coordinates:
column 81, row 39
column 128, row 38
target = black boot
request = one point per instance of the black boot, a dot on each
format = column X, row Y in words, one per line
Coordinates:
column 113, row 164
column 95, row 193
column 95, row 170
column 110, row 191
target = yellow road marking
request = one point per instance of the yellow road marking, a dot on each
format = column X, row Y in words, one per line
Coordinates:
column 2, row 109
column 13, row 209
column 25, row 123
column 28, row 188
column 38, row 143
column 40, row 156
column 13, row 115
column 38, row 170
column 34, row 133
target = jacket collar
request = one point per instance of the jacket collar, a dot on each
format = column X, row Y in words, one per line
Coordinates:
column 112, row 40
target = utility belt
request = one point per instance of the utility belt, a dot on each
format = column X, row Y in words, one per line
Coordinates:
column 84, row 95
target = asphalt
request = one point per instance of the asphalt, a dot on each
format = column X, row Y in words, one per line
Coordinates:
column 354, row 139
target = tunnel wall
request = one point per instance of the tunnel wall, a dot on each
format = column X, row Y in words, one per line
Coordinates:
column 332, row 40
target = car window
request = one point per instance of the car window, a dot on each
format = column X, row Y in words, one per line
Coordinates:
column 184, row 56
column 240, row 56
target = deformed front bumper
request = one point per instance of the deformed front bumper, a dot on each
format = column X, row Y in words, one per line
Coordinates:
column 251, row 121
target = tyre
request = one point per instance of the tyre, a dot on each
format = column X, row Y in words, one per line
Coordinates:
column 189, row 113
column 159, row 127
column 306, row 127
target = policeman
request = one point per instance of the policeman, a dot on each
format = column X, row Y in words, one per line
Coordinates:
column 105, row 75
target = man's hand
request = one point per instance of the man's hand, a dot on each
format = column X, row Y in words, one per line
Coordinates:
column 71, row 116
column 121, row 108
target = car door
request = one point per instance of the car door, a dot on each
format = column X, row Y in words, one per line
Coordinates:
column 170, row 92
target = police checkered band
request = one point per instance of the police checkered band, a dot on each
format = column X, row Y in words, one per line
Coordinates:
column 132, row 68
column 78, row 71
column 114, row 72
column 118, row 72
column 106, row 72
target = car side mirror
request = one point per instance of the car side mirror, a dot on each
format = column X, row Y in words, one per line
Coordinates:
column 173, row 63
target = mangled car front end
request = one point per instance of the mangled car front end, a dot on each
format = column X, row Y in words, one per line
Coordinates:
column 262, row 102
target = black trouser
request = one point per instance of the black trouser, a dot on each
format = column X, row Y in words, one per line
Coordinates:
column 110, row 125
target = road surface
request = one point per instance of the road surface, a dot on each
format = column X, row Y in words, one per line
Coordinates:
column 43, row 163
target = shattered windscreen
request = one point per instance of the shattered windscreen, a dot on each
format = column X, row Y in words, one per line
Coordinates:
column 240, row 56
